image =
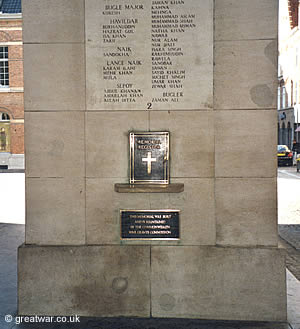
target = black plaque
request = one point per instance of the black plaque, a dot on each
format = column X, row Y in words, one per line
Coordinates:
column 149, row 224
column 149, row 157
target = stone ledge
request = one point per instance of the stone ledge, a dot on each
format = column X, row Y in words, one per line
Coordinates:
column 149, row 188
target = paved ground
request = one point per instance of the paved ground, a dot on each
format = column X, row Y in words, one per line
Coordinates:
column 292, row 259
column 12, row 196
column 288, row 196
column 290, row 233
column 289, row 216
column 293, row 301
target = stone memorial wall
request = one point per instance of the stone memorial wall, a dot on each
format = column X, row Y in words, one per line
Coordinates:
column 123, row 226
column 140, row 53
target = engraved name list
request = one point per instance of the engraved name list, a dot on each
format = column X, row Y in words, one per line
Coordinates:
column 147, row 54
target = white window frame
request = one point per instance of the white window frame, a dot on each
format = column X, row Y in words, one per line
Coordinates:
column 5, row 75
column 283, row 97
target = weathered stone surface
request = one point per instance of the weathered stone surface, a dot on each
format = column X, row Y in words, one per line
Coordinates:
column 87, row 280
column 103, row 210
column 108, row 142
column 246, row 211
column 218, row 283
column 191, row 141
column 246, row 143
column 53, row 21
column 197, row 213
column 55, row 211
column 243, row 19
column 193, row 90
column 54, row 144
column 54, row 78
column 196, row 204
column 252, row 68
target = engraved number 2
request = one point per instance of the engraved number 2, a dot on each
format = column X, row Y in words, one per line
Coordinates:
column 149, row 106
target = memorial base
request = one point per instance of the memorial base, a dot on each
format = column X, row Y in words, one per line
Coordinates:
column 144, row 281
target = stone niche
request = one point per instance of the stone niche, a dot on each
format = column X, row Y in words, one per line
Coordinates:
column 204, row 71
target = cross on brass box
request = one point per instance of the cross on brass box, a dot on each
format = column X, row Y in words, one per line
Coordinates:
column 149, row 157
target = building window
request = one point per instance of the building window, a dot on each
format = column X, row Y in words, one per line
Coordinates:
column 4, row 117
column 4, row 132
column 3, row 139
column 4, row 77
column 291, row 103
column 289, row 135
column 283, row 135
column 284, row 105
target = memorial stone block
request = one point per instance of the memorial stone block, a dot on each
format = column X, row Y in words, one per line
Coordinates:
column 139, row 54
column 191, row 83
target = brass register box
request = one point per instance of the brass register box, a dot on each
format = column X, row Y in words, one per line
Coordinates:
column 149, row 157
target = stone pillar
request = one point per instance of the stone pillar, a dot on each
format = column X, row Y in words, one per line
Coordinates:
column 227, row 264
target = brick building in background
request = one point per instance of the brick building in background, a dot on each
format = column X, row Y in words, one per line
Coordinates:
column 11, row 86
column 289, row 73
